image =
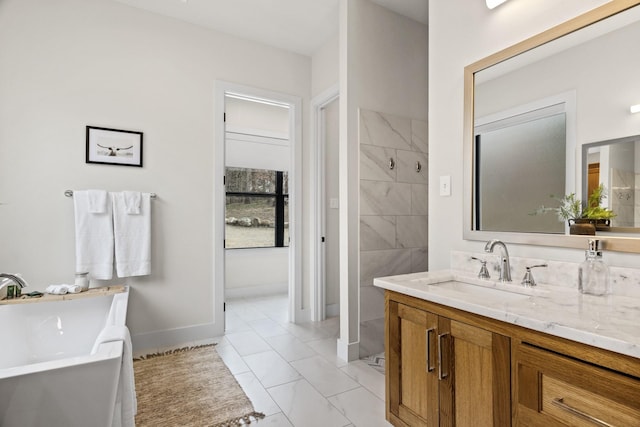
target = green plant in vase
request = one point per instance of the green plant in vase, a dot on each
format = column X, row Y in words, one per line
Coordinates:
column 583, row 218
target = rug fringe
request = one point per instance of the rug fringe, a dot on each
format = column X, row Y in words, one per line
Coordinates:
column 173, row 351
column 240, row 421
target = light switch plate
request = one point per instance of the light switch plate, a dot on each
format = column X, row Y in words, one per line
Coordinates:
column 445, row 185
column 333, row 203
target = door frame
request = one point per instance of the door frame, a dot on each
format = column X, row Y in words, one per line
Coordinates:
column 318, row 202
column 295, row 312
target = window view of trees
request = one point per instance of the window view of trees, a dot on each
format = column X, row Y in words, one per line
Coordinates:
column 257, row 211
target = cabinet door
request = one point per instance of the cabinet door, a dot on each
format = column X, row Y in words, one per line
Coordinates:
column 412, row 381
column 475, row 389
column 554, row 390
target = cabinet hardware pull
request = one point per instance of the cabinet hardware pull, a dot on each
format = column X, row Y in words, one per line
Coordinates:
column 418, row 166
column 559, row 402
column 429, row 367
column 441, row 375
column 392, row 163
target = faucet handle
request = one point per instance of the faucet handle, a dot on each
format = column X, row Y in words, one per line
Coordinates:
column 484, row 273
column 528, row 279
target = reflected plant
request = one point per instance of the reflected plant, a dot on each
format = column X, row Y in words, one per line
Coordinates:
column 570, row 207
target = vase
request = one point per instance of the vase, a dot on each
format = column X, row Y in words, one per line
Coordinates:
column 602, row 224
column 582, row 226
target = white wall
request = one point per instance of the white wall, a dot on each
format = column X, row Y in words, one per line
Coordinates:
column 71, row 63
column 383, row 67
column 324, row 63
column 460, row 33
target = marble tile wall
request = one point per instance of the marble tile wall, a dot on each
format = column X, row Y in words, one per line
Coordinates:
column 623, row 197
column 394, row 204
column 624, row 281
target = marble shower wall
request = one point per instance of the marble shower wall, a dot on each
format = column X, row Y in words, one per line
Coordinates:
column 393, row 209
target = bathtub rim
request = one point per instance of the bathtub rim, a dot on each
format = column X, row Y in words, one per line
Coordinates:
column 105, row 351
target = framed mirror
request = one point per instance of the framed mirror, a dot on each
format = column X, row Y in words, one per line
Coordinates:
column 537, row 114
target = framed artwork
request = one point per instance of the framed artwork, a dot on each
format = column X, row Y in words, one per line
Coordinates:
column 114, row 146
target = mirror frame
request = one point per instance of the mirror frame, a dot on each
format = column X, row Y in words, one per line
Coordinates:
column 620, row 244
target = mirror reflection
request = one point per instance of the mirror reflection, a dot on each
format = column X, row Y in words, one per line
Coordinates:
column 615, row 164
column 520, row 159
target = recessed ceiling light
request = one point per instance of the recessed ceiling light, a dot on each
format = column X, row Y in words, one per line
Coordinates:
column 635, row 108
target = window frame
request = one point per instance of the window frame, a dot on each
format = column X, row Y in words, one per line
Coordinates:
column 281, row 198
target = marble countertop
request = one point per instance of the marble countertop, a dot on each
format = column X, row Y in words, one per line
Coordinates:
column 608, row 322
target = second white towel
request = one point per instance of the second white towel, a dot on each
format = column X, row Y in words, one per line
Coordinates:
column 132, row 234
column 94, row 236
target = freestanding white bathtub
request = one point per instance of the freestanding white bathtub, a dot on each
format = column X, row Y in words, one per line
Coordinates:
column 48, row 374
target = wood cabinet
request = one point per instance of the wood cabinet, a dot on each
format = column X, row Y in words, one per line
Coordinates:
column 556, row 390
column 443, row 371
column 447, row 367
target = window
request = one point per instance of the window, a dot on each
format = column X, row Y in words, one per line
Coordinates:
column 257, row 208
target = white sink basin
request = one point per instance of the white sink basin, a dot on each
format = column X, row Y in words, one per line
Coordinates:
column 501, row 295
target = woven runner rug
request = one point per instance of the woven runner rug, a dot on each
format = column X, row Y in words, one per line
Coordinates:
column 189, row 387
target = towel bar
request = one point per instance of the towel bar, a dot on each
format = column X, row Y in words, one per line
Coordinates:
column 69, row 193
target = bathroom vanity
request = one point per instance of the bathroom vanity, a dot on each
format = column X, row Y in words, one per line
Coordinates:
column 470, row 352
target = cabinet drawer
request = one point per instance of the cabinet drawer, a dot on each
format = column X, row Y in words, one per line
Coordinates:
column 558, row 390
column 578, row 407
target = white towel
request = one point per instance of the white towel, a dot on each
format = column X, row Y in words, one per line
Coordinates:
column 132, row 236
column 132, row 201
column 126, row 385
column 97, row 200
column 63, row 289
column 94, row 238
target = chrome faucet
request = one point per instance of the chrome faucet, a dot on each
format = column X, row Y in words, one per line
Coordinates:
column 6, row 279
column 505, row 267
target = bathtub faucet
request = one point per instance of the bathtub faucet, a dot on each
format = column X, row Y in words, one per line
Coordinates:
column 6, row 279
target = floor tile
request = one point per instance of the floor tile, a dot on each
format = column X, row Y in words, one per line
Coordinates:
column 233, row 323
column 361, row 407
column 232, row 359
column 271, row 369
column 328, row 348
column 261, row 400
column 267, row 328
column 308, row 331
column 247, row 343
column 365, row 375
column 305, row 407
column 291, row 348
column 276, row 420
column 324, row 376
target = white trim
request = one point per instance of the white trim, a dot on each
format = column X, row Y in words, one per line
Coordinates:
column 243, row 130
column 348, row 351
column 296, row 313
column 318, row 202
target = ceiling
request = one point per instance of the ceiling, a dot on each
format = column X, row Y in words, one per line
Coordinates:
column 300, row 26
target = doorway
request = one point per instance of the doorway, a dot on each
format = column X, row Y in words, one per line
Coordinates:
column 325, row 110
column 257, row 212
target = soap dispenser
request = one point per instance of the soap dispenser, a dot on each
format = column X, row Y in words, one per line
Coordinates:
column 593, row 273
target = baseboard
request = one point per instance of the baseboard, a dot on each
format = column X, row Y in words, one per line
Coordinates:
column 151, row 342
column 256, row 291
column 348, row 351
column 332, row 310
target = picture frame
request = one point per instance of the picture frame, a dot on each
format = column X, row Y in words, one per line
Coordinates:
column 114, row 146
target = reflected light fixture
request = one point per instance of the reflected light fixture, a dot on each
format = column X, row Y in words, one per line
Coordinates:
column 635, row 108
column 494, row 3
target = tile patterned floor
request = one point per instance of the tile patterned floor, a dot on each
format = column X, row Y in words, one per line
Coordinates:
column 291, row 372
